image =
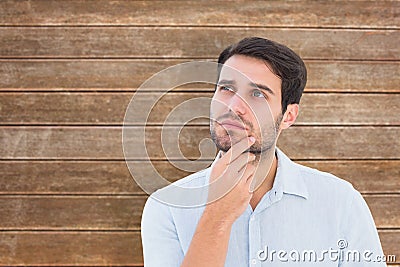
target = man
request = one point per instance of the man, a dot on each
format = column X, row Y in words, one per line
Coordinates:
column 263, row 209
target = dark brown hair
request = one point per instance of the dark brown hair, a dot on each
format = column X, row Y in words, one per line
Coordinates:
column 284, row 63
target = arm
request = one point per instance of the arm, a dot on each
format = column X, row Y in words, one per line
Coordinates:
column 209, row 245
column 361, row 235
column 161, row 246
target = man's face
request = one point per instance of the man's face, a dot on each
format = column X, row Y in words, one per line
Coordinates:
column 247, row 102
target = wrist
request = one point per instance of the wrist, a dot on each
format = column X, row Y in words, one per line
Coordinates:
column 214, row 218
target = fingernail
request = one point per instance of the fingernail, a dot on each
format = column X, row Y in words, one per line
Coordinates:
column 252, row 139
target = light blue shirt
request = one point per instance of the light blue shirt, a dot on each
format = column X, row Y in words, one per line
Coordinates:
column 308, row 218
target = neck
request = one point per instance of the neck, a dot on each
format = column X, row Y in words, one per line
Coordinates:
column 264, row 177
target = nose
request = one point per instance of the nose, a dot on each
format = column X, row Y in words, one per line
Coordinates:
column 238, row 104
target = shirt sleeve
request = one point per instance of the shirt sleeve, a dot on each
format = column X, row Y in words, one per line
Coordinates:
column 361, row 237
column 161, row 246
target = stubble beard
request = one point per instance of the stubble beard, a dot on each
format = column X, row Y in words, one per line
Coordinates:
column 224, row 139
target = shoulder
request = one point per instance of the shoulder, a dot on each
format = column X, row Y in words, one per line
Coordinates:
column 336, row 195
column 323, row 188
column 193, row 180
column 317, row 184
column 324, row 185
column 190, row 191
column 324, row 181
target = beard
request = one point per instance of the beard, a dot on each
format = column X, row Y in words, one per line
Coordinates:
column 224, row 139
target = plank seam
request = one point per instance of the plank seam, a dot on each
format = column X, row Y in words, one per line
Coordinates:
column 137, row 230
column 219, row 26
column 105, row 58
column 134, row 90
column 94, row 160
column 174, row 59
column 109, row 125
column 6, row 195
column 59, row 160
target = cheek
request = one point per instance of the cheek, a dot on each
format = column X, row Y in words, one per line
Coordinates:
column 275, row 106
column 262, row 118
column 217, row 107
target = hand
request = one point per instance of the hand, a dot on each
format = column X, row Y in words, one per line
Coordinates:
column 230, row 180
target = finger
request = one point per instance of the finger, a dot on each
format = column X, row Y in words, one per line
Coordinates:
column 244, row 162
column 240, row 162
column 237, row 149
column 231, row 171
column 236, row 170
column 249, row 181
column 239, row 174
column 248, row 172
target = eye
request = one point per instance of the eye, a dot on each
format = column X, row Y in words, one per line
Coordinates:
column 258, row 93
column 225, row 88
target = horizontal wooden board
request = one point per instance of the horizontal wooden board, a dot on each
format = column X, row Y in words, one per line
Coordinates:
column 100, row 249
column 79, row 177
column 390, row 243
column 113, row 177
column 110, row 108
column 99, row 143
column 76, row 212
column 359, row 14
column 366, row 176
column 129, row 74
column 348, row 109
column 380, row 206
column 123, row 212
column 155, row 42
column 70, row 248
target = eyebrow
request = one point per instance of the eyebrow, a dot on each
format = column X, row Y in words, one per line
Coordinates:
column 263, row 87
column 254, row 85
column 222, row 82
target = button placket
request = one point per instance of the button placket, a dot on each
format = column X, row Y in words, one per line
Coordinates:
column 254, row 240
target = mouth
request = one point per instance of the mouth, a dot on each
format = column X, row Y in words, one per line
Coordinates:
column 234, row 125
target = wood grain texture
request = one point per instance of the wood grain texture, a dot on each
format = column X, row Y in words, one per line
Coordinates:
column 343, row 14
column 70, row 248
column 71, row 212
column 123, row 212
column 299, row 142
column 99, row 248
column 114, row 178
column 69, row 68
column 77, row 177
column 156, row 42
column 380, row 206
column 390, row 240
column 109, row 108
column 116, row 74
column 367, row 176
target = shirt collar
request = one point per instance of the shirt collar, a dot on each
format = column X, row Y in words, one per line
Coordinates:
column 288, row 177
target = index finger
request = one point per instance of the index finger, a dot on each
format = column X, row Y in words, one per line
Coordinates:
column 237, row 149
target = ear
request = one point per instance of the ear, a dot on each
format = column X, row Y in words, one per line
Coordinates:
column 290, row 116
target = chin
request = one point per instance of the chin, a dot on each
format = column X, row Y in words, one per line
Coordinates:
column 224, row 139
column 223, row 143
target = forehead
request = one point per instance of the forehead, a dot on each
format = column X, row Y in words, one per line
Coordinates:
column 244, row 69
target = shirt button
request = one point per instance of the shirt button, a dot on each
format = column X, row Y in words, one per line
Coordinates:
column 252, row 218
column 253, row 261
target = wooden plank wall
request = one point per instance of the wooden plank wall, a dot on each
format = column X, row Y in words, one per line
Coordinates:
column 69, row 68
